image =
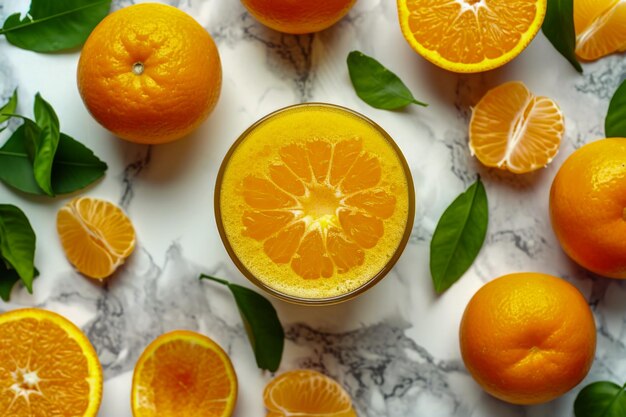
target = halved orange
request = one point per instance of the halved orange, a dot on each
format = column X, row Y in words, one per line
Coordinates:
column 306, row 393
column 47, row 367
column 600, row 28
column 324, row 209
column 96, row 236
column 183, row 373
column 514, row 130
column 470, row 35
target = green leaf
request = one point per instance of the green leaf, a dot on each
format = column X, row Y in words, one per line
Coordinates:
column 601, row 399
column 75, row 166
column 615, row 123
column 16, row 167
column 558, row 26
column 459, row 236
column 8, row 109
column 54, row 25
column 46, row 145
column 8, row 279
column 17, row 243
column 265, row 332
column 376, row 85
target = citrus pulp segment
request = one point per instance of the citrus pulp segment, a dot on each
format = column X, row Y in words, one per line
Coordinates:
column 47, row 367
column 515, row 130
column 306, row 393
column 96, row 236
column 314, row 202
column 183, row 373
column 470, row 35
column 600, row 27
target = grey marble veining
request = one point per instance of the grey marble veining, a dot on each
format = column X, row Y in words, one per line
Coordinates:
column 395, row 349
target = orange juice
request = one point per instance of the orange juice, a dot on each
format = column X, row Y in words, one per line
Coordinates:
column 314, row 203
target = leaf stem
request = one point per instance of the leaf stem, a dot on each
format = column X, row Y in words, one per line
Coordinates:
column 54, row 16
column 209, row 277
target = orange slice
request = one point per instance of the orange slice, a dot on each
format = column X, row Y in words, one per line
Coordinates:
column 47, row 367
column 600, row 28
column 514, row 130
column 325, row 206
column 470, row 35
column 183, row 373
column 306, row 393
column 96, row 236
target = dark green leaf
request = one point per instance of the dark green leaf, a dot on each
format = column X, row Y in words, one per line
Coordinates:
column 558, row 26
column 17, row 243
column 54, row 25
column 615, row 123
column 601, row 399
column 8, row 279
column 46, row 145
column 459, row 236
column 8, row 109
column 261, row 322
column 376, row 85
column 16, row 167
column 75, row 166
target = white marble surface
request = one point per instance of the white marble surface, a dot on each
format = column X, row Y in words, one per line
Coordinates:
column 395, row 349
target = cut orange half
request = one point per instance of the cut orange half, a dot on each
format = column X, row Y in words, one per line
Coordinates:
column 96, row 236
column 306, row 393
column 470, row 35
column 47, row 367
column 514, row 130
column 324, row 210
column 183, row 373
column 600, row 27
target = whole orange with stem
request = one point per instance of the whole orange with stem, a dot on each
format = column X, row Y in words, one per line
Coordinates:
column 588, row 207
column 528, row 338
column 149, row 73
column 298, row 16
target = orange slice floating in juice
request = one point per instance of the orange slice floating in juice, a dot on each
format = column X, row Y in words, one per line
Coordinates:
column 308, row 394
column 314, row 201
column 96, row 235
column 514, row 130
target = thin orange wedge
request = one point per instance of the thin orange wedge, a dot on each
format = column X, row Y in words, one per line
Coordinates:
column 600, row 28
column 47, row 367
column 183, row 373
column 306, row 393
column 470, row 35
column 96, row 236
column 514, row 130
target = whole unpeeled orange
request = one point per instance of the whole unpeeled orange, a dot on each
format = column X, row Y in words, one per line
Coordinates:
column 528, row 338
column 588, row 207
column 298, row 16
column 149, row 73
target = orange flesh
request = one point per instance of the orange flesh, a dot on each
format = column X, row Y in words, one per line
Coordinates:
column 44, row 368
column 323, row 208
column 600, row 28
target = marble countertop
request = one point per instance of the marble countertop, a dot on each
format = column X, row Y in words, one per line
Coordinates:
column 395, row 349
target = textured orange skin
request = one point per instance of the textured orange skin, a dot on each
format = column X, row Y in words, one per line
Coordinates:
column 588, row 207
column 178, row 88
column 528, row 338
column 298, row 16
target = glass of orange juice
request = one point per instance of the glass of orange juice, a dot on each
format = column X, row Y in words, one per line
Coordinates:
column 314, row 203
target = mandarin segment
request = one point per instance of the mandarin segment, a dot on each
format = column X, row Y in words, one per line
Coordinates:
column 96, row 236
column 284, row 245
column 345, row 254
column 319, row 153
column 285, row 179
column 260, row 225
column 515, row 130
column 344, row 155
column 600, row 28
column 294, row 157
column 261, row 193
column 365, row 173
column 362, row 228
column 376, row 202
